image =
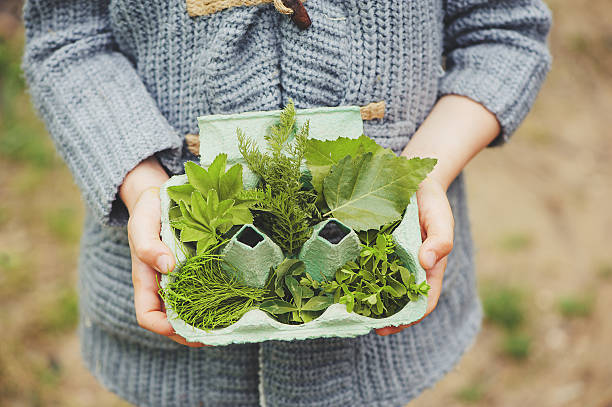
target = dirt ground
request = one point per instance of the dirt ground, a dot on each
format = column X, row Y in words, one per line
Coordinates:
column 541, row 216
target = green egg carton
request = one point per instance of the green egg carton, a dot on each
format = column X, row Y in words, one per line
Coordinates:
column 249, row 255
column 323, row 255
column 218, row 135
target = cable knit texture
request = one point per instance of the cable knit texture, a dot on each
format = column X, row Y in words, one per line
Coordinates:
column 118, row 81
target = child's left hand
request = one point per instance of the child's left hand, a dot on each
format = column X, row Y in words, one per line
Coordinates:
column 437, row 225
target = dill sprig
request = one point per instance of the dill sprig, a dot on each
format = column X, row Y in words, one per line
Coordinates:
column 205, row 297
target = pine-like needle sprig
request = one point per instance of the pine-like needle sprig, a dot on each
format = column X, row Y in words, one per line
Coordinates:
column 285, row 208
column 205, row 297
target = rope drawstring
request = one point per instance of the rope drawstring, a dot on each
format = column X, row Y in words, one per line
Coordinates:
column 281, row 8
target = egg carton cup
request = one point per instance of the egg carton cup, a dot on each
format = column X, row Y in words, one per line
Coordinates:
column 322, row 257
column 251, row 264
column 218, row 135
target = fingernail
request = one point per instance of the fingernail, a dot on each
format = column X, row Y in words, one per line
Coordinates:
column 164, row 264
column 429, row 259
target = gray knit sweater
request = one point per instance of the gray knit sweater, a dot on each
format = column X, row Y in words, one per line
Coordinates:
column 117, row 81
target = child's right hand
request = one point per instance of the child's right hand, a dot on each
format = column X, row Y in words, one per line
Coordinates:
column 150, row 256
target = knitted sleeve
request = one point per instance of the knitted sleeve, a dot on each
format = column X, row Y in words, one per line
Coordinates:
column 496, row 54
column 97, row 110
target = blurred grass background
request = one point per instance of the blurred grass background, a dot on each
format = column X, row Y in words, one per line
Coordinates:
column 541, row 216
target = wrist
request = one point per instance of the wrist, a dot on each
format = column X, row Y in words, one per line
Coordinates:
column 147, row 175
column 456, row 129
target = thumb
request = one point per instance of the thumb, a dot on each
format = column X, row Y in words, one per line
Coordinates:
column 143, row 229
column 438, row 224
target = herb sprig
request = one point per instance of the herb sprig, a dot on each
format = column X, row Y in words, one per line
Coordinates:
column 284, row 202
column 209, row 204
column 294, row 297
column 205, row 297
column 377, row 284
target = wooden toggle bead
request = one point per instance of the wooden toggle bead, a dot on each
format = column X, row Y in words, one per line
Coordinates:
column 300, row 16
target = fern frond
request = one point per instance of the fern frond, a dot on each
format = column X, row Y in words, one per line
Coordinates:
column 254, row 158
column 285, row 209
column 281, row 132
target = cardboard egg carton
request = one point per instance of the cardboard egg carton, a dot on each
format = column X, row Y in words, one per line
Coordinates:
column 321, row 257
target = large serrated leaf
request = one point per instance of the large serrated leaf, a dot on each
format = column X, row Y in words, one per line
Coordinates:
column 373, row 189
column 321, row 155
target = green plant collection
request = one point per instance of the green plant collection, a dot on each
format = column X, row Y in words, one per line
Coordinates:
column 302, row 182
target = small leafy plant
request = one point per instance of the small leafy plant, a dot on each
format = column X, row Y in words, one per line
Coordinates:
column 210, row 204
column 294, row 296
column 375, row 285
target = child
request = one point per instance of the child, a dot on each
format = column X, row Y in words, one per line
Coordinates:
column 120, row 83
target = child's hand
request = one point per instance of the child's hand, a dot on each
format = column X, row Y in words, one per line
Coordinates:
column 150, row 256
column 456, row 129
column 437, row 224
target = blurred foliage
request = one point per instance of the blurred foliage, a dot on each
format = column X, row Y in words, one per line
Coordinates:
column 503, row 306
column 517, row 345
column 62, row 224
column 516, row 241
column 576, row 306
column 12, row 277
column 62, row 314
column 471, row 393
column 604, row 268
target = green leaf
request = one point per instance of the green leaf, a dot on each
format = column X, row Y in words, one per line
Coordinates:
column 287, row 267
column 407, row 276
column 373, row 189
column 321, row 155
column 174, row 213
column 349, row 301
column 198, row 177
column 180, row 193
column 227, row 184
column 277, row 307
column 216, row 169
column 343, row 274
column 317, row 303
column 379, row 306
column 399, row 288
column 211, row 207
column 199, row 209
column 337, row 295
column 371, row 299
column 230, row 183
column 423, row 288
column 205, row 243
column 307, row 292
column 189, row 234
column 308, row 316
column 188, row 220
column 295, row 290
column 390, row 290
column 241, row 214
